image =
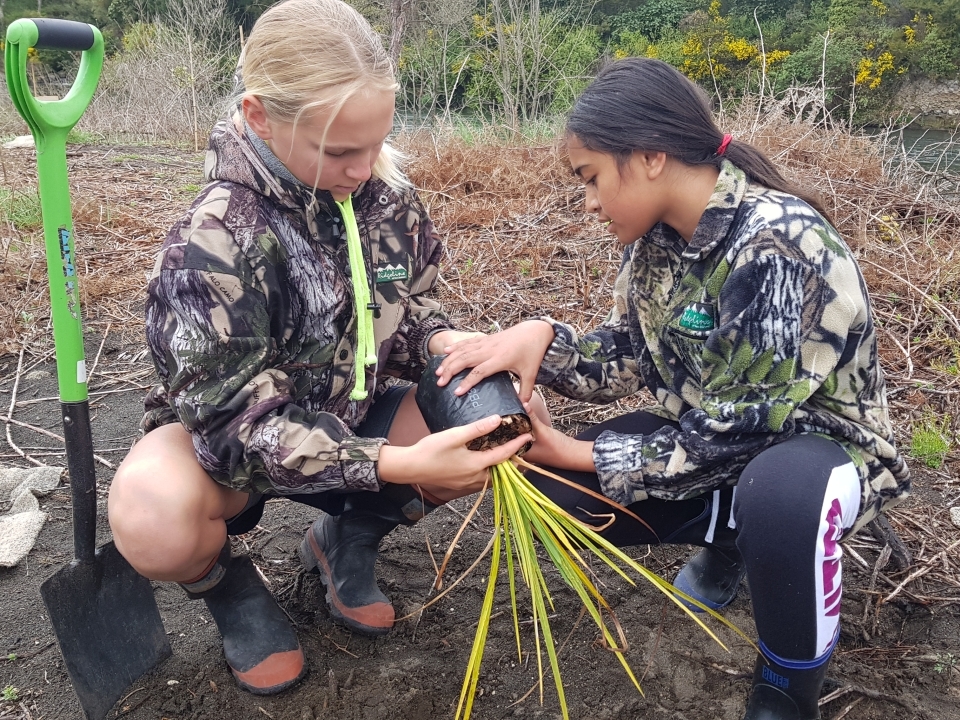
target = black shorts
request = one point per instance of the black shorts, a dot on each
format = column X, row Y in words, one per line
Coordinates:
column 377, row 423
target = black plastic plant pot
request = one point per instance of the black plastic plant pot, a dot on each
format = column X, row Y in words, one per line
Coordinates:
column 494, row 395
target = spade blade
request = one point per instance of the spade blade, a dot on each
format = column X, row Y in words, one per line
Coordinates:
column 108, row 626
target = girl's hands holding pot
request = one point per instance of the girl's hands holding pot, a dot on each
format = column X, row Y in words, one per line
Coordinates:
column 442, row 460
column 519, row 349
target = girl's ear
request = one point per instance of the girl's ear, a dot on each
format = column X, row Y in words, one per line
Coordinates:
column 256, row 116
column 651, row 163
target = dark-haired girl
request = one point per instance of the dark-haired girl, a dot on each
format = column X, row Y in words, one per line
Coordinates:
column 744, row 313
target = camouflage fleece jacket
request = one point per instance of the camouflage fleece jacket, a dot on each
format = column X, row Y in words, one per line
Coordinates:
column 758, row 329
column 251, row 322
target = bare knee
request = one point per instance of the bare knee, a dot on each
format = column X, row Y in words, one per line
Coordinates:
column 165, row 512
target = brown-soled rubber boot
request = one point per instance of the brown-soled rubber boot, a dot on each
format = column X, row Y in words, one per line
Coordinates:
column 259, row 643
column 343, row 549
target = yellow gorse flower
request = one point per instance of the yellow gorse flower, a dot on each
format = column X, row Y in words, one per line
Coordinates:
column 482, row 28
column 741, row 48
column 870, row 72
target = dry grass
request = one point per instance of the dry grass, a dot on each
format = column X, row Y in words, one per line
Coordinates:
column 123, row 201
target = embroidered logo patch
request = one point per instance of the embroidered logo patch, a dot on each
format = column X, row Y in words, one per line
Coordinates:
column 391, row 273
column 697, row 316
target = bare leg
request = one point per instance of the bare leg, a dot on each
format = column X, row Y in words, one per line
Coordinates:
column 167, row 515
column 169, row 521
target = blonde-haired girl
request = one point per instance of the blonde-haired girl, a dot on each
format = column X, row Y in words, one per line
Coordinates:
column 283, row 309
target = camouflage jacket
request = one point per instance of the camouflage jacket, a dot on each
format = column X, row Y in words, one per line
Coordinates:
column 758, row 329
column 252, row 328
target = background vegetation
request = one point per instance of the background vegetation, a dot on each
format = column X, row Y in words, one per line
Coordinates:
column 518, row 62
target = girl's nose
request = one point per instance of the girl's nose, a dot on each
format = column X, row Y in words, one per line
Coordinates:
column 360, row 173
column 361, row 170
column 591, row 203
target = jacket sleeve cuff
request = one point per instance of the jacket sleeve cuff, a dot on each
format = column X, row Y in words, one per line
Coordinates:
column 561, row 355
column 358, row 462
column 418, row 339
column 618, row 461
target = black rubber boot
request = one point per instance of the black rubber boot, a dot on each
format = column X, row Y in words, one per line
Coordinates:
column 259, row 643
column 781, row 693
column 343, row 549
column 712, row 576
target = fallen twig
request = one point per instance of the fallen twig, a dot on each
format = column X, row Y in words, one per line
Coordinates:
column 880, row 528
column 866, row 692
column 42, row 431
column 725, row 669
column 13, row 403
column 843, row 713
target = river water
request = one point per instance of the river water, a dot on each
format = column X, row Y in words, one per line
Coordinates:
column 936, row 151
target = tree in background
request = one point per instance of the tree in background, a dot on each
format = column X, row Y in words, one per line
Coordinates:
column 653, row 19
column 530, row 61
column 434, row 63
column 932, row 37
column 705, row 47
column 174, row 70
column 125, row 13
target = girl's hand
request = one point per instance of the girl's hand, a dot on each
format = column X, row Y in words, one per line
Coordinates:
column 445, row 338
column 443, row 460
column 519, row 349
column 552, row 448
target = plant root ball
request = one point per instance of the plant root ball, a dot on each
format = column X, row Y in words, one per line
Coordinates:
column 511, row 426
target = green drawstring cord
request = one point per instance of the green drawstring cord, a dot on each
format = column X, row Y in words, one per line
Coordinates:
column 365, row 354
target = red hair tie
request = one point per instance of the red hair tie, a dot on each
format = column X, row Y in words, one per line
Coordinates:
column 723, row 145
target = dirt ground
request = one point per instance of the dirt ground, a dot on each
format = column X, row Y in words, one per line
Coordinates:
column 898, row 657
column 901, row 662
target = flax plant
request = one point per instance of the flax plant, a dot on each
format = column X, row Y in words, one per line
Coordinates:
column 521, row 514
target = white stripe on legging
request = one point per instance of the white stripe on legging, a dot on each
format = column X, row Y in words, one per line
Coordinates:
column 714, row 512
column 841, row 501
column 732, row 523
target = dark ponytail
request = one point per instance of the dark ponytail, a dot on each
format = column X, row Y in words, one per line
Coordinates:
column 646, row 104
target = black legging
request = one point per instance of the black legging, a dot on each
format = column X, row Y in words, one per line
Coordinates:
column 786, row 512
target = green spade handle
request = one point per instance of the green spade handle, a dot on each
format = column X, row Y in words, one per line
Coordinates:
column 50, row 122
